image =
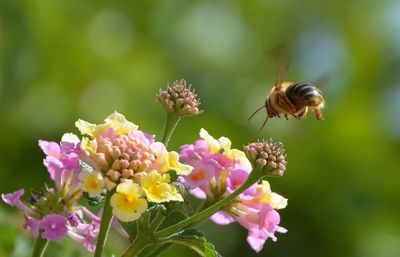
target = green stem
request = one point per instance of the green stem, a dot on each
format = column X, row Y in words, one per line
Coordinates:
column 255, row 176
column 40, row 246
column 158, row 220
column 105, row 225
column 170, row 125
column 136, row 247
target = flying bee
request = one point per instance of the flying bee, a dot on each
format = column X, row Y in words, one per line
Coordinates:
column 289, row 98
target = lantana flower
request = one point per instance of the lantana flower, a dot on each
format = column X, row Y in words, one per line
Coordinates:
column 53, row 213
column 218, row 171
column 130, row 162
column 128, row 203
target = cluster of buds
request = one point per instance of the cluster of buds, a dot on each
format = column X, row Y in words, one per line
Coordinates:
column 123, row 157
column 269, row 156
column 179, row 99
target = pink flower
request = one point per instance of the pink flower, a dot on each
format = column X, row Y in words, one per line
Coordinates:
column 85, row 233
column 32, row 226
column 63, row 162
column 54, row 226
column 200, row 175
column 14, row 199
column 235, row 179
column 218, row 172
column 267, row 223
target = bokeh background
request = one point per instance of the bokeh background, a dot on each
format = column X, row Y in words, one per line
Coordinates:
column 63, row 60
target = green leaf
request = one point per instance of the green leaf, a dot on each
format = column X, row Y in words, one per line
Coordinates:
column 93, row 201
column 194, row 239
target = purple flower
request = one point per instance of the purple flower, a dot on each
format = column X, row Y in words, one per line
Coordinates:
column 32, row 226
column 54, row 226
column 63, row 162
column 14, row 199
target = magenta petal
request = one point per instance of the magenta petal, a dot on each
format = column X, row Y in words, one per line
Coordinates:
column 32, row 226
column 14, row 198
column 54, row 227
column 256, row 240
column 222, row 218
column 50, row 148
column 198, row 192
column 273, row 217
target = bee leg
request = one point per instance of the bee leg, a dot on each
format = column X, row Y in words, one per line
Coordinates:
column 302, row 113
column 286, row 116
column 318, row 113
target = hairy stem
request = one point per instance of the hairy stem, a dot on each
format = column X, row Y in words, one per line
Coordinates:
column 40, row 246
column 106, row 219
column 170, row 125
column 142, row 240
column 158, row 220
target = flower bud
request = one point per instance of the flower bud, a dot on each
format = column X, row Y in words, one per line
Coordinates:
column 179, row 99
column 267, row 155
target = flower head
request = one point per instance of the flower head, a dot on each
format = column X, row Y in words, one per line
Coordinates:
column 179, row 99
column 131, row 161
column 269, row 156
column 219, row 171
column 128, row 203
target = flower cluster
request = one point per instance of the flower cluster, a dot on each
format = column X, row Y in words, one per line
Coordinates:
column 54, row 212
column 129, row 162
column 218, row 171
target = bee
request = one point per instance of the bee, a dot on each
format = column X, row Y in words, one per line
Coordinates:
column 290, row 98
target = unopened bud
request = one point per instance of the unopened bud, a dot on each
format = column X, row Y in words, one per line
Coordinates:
column 267, row 155
column 179, row 99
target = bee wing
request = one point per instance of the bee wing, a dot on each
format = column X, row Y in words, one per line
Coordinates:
column 280, row 57
column 322, row 81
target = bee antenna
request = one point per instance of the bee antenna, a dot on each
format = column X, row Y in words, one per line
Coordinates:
column 265, row 122
column 254, row 113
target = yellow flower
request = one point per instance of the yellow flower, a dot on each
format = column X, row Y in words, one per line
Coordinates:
column 119, row 123
column 174, row 164
column 85, row 127
column 89, row 145
column 127, row 202
column 166, row 161
column 277, row 201
column 116, row 121
column 157, row 189
column 92, row 182
column 214, row 144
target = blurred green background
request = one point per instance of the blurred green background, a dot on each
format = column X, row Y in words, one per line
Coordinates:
column 63, row 60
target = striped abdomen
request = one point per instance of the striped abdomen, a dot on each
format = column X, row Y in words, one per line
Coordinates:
column 304, row 94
